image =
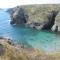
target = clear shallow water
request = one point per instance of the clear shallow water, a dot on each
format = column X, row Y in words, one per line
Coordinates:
column 42, row 40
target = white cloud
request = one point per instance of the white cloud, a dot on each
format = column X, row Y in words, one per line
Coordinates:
column 12, row 3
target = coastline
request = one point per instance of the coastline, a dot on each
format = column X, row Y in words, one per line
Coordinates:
column 13, row 52
column 40, row 17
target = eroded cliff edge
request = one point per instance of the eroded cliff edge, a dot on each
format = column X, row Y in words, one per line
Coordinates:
column 10, row 51
column 46, row 16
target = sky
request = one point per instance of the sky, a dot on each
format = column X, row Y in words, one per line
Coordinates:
column 13, row 3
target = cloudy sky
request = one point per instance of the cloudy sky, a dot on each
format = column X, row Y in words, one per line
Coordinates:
column 13, row 3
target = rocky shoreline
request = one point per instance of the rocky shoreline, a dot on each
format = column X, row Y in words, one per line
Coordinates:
column 9, row 51
column 41, row 17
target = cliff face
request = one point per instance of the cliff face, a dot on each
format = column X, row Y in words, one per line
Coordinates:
column 37, row 16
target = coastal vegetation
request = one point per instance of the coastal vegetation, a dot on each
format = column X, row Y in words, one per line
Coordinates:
column 45, row 16
column 10, row 51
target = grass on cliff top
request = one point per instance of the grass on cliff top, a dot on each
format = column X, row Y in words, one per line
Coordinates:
column 15, row 53
column 39, row 13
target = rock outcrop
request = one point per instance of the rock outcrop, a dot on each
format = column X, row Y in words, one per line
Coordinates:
column 51, row 20
column 57, row 21
column 36, row 16
column 19, row 17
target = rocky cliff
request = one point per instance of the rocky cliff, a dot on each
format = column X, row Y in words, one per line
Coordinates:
column 44, row 16
column 10, row 51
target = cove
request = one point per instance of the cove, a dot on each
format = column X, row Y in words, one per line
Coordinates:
column 41, row 40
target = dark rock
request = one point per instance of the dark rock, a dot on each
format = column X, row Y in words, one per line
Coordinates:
column 2, row 49
column 51, row 20
column 12, row 22
column 19, row 17
column 10, row 42
column 1, row 37
column 37, row 24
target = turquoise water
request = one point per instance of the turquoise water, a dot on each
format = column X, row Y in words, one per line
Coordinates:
column 42, row 40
